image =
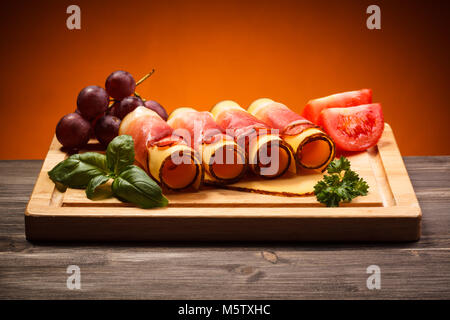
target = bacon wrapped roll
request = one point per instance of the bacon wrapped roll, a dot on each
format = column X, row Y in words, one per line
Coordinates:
column 166, row 157
column 223, row 160
column 267, row 154
column 313, row 148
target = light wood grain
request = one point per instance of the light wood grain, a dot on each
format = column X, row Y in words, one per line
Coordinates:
column 189, row 270
column 389, row 213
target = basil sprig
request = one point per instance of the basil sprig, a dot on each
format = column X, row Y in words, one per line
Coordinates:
column 77, row 170
column 120, row 153
column 94, row 190
column 93, row 171
column 133, row 185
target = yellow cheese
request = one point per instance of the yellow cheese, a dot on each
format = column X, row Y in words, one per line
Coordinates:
column 312, row 146
column 288, row 185
column 224, row 160
column 137, row 113
column 179, row 111
column 176, row 167
column 285, row 157
column 286, row 160
column 258, row 104
column 313, row 149
column 224, row 105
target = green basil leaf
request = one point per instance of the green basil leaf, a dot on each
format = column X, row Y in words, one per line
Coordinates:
column 77, row 170
column 134, row 185
column 120, row 153
column 95, row 192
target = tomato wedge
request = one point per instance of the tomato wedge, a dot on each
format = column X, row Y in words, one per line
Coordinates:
column 354, row 128
column 339, row 100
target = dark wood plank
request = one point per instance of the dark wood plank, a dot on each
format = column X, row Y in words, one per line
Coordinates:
column 228, row 270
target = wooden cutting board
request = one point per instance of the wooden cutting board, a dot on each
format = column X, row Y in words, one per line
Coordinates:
column 390, row 212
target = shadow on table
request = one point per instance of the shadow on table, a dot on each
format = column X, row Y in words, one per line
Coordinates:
column 305, row 246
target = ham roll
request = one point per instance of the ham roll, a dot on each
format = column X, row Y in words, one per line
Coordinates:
column 166, row 157
column 267, row 154
column 222, row 158
column 313, row 148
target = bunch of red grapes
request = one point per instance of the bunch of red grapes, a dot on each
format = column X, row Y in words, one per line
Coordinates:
column 99, row 111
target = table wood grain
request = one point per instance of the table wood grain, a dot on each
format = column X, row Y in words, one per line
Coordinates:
column 413, row 270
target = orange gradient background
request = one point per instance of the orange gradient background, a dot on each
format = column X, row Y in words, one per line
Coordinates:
column 207, row 51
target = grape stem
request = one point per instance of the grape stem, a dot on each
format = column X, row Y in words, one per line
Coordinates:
column 145, row 77
column 138, row 95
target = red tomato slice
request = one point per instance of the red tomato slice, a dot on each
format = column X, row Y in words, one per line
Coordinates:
column 339, row 100
column 354, row 128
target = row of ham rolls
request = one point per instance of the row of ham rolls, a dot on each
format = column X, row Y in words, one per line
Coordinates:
column 313, row 148
column 223, row 160
column 226, row 140
column 166, row 157
column 267, row 154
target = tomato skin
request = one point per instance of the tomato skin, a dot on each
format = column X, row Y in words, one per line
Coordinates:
column 354, row 128
column 339, row 100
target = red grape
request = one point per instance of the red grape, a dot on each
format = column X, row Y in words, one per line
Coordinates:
column 93, row 123
column 127, row 105
column 106, row 129
column 92, row 101
column 159, row 109
column 111, row 111
column 120, row 84
column 73, row 131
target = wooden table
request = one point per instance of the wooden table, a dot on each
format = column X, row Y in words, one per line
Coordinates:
column 230, row 270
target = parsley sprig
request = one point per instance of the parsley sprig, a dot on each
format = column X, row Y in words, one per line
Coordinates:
column 341, row 184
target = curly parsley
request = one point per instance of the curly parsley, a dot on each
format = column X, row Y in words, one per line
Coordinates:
column 341, row 184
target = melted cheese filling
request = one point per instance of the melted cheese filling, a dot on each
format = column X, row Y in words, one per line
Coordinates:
column 178, row 176
column 227, row 163
column 272, row 165
column 311, row 152
column 314, row 154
